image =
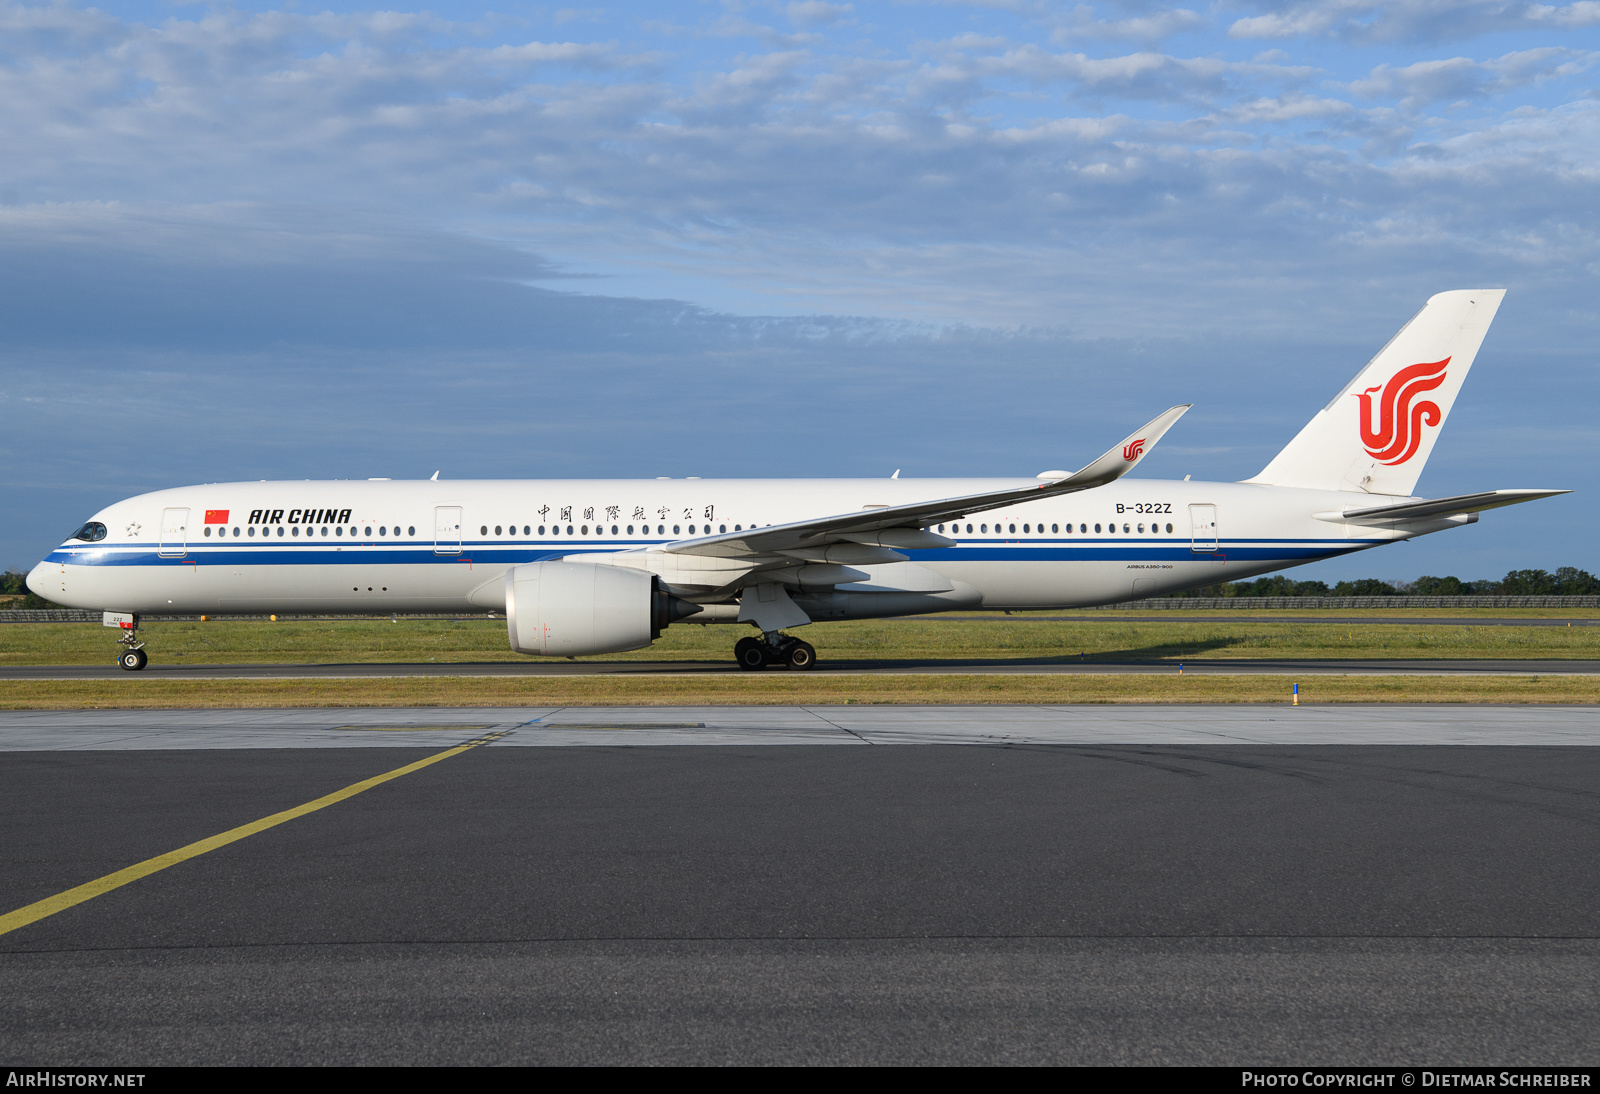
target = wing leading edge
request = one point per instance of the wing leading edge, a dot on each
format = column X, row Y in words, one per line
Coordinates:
column 903, row 525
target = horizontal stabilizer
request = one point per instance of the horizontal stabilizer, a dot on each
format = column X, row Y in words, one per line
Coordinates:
column 1439, row 507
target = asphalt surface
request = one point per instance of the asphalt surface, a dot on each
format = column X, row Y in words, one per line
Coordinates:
column 1022, row 902
column 958, row 666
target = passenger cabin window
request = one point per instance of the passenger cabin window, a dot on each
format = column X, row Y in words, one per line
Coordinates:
column 411, row 531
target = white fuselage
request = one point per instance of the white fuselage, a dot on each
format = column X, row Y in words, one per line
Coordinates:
column 426, row 546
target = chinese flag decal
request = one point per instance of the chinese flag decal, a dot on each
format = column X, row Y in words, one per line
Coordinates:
column 216, row 516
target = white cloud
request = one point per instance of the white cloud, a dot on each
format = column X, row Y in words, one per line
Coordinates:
column 873, row 180
column 1418, row 85
column 816, row 13
column 1150, row 28
column 1410, row 20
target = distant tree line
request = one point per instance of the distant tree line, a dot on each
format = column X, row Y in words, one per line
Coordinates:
column 1566, row 581
column 13, row 583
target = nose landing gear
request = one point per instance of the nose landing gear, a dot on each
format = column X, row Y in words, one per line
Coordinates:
column 132, row 658
column 774, row 648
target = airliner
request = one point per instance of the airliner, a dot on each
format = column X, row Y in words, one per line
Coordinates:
column 583, row 567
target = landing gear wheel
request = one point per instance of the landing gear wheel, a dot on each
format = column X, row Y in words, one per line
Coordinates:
column 802, row 656
column 133, row 660
column 751, row 653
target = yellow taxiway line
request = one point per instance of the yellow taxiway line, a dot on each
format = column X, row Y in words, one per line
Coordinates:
column 49, row 906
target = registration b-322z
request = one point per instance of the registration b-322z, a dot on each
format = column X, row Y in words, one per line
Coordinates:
column 600, row 566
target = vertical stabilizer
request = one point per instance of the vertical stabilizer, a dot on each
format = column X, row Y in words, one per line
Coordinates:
column 1378, row 432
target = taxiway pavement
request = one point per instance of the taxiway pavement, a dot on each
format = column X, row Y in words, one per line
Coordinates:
column 1013, row 884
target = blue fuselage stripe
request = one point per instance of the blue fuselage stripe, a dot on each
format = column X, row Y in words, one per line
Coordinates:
column 414, row 554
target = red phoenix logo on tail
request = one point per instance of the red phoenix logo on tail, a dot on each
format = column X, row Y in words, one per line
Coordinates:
column 1131, row 450
column 1392, row 430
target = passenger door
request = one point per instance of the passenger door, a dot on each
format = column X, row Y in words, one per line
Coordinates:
column 447, row 530
column 1203, row 529
column 174, row 533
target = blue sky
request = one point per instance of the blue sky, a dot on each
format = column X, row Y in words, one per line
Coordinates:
column 287, row 241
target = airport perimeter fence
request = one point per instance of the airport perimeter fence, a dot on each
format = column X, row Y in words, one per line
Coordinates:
column 1181, row 604
column 1345, row 603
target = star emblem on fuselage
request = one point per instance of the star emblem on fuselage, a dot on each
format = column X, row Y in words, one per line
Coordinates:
column 133, row 529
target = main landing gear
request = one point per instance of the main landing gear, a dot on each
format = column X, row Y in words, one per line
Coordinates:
column 774, row 648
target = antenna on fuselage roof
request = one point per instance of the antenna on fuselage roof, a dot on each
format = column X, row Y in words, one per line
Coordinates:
column 435, row 477
column 896, row 474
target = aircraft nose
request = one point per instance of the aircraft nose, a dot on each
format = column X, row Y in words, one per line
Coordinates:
column 36, row 579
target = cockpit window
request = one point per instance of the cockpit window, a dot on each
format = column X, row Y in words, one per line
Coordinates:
column 93, row 532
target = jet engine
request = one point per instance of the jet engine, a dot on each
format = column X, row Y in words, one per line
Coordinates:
column 569, row 609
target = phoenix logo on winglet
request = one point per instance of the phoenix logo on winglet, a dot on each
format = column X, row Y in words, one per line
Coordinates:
column 1131, row 450
column 1398, row 430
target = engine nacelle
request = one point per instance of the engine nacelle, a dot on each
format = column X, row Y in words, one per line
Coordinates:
column 569, row 609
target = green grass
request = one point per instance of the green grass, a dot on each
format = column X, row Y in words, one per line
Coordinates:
column 787, row 688
column 978, row 641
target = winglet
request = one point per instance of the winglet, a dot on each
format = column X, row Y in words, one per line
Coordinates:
column 1122, row 457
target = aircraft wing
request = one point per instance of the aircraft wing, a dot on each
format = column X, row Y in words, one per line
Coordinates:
column 902, row 525
column 1440, row 507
